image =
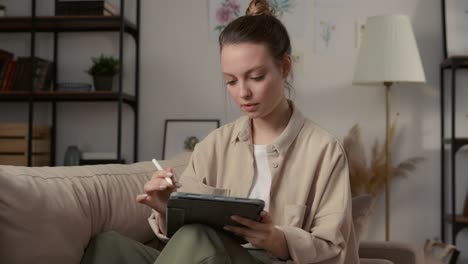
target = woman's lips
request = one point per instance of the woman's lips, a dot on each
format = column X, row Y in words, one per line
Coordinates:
column 249, row 107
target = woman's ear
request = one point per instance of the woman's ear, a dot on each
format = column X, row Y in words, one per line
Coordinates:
column 286, row 65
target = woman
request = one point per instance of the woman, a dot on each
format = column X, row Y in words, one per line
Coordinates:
column 273, row 153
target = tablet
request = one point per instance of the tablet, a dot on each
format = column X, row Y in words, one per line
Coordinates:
column 215, row 211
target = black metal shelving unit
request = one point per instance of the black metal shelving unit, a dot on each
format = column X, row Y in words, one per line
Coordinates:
column 453, row 64
column 62, row 24
column 455, row 143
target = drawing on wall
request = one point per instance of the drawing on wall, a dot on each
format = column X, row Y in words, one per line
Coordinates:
column 222, row 12
column 291, row 13
column 282, row 6
column 326, row 31
column 297, row 58
column 333, row 3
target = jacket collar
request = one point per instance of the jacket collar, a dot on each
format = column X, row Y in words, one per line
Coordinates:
column 243, row 129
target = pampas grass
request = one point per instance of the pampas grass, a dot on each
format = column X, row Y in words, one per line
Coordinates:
column 369, row 178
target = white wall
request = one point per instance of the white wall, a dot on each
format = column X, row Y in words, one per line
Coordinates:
column 180, row 78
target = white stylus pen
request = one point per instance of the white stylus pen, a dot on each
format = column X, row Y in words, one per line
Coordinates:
column 158, row 166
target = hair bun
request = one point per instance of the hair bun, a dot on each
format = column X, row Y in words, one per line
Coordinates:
column 259, row 7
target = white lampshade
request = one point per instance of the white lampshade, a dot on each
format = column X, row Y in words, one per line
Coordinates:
column 388, row 52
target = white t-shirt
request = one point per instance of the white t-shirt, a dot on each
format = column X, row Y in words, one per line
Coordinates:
column 262, row 179
column 262, row 176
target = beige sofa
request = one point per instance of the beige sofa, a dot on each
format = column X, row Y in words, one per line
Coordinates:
column 49, row 214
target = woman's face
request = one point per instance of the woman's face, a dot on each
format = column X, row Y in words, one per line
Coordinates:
column 253, row 79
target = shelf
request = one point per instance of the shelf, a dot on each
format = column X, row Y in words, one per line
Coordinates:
column 65, row 24
column 460, row 222
column 459, row 219
column 458, row 143
column 60, row 96
column 455, row 62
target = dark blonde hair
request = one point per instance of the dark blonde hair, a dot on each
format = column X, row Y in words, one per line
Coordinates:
column 260, row 26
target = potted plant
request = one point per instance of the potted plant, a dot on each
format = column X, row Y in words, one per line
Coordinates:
column 103, row 70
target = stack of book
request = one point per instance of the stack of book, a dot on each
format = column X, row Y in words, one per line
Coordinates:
column 85, row 8
column 24, row 73
column 74, row 87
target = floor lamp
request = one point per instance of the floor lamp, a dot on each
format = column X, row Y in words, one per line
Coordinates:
column 388, row 55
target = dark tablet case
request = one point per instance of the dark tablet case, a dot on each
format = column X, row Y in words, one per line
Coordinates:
column 211, row 210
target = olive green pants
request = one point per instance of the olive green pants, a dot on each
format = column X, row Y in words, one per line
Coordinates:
column 191, row 244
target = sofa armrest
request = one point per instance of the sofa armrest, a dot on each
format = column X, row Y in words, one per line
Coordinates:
column 401, row 253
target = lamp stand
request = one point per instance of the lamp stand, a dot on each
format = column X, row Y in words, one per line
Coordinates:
column 388, row 161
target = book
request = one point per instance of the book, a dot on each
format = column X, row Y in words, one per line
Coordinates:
column 74, row 87
column 5, row 58
column 85, row 8
column 7, row 76
column 29, row 73
column 15, row 78
column 11, row 76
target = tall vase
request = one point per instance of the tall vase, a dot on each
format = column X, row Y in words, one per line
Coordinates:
column 72, row 156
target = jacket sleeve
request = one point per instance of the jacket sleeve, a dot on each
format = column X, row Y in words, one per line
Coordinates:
column 191, row 181
column 189, row 184
column 328, row 240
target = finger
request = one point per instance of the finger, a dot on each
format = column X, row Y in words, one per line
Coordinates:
column 169, row 181
column 152, row 186
column 161, row 174
column 249, row 223
column 175, row 183
column 144, row 199
column 157, row 174
column 257, row 242
column 141, row 197
column 169, row 172
column 266, row 217
column 166, row 176
column 242, row 231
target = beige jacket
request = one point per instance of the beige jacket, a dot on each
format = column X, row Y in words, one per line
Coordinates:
column 310, row 198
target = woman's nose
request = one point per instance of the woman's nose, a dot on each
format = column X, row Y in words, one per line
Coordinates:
column 244, row 91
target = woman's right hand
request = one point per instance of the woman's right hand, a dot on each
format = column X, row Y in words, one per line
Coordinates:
column 157, row 191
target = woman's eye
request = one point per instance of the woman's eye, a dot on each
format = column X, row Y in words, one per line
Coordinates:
column 258, row 78
column 230, row 82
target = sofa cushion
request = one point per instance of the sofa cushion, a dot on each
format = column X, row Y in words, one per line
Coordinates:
column 49, row 214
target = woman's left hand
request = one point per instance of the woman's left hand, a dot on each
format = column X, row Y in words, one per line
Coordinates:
column 262, row 234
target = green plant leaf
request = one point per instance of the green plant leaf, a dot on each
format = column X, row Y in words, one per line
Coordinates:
column 104, row 66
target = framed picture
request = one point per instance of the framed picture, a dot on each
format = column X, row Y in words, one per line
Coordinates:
column 183, row 134
column 455, row 27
